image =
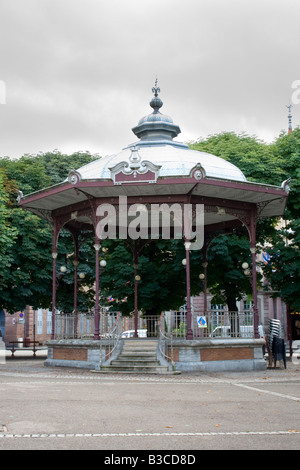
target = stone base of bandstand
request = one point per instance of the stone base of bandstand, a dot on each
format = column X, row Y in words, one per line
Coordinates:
column 78, row 353
column 218, row 355
column 207, row 355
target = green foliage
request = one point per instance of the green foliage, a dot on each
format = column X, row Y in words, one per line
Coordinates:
column 283, row 270
column 226, row 277
column 181, row 331
column 27, row 172
column 268, row 164
column 252, row 156
column 25, row 239
column 162, row 284
column 29, row 278
column 283, row 273
column 57, row 165
column 287, row 150
column 7, row 239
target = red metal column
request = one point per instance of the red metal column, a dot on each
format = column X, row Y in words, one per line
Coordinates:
column 188, row 292
column 54, row 257
column 136, row 311
column 75, row 264
column 204, row 265
column 254, row 275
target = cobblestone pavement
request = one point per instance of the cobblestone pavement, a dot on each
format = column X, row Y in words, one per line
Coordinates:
column 63, row 408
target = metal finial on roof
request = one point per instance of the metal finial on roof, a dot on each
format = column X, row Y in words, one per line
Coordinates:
column 156, row 89
column 156, row 126
column 156, row 103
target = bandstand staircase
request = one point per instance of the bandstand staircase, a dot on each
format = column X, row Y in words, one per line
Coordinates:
column 138, row 356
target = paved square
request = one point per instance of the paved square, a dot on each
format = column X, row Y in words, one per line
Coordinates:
column 58, row 408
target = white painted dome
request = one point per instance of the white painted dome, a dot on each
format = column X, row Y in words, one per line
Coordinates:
column 175, row 161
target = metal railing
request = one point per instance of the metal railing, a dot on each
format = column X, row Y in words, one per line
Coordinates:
column 147, row 326
column 165, row 341
column 172, row 324
column 210, row 324
column 74, row 326
column 82, row 325
column 111, row 333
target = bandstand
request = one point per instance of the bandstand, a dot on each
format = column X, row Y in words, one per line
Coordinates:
column 125, row 195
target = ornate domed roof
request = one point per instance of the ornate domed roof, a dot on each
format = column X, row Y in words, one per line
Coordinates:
column 157, row 168
column 173, row 161
column 156, row 145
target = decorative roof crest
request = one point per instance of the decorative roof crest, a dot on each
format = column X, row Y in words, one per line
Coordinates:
column 135, row 158
column 156, row 89
column 156, row 103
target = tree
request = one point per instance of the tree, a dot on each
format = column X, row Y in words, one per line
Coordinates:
column 226, row 255
column 7, row 240
column 283, row 270
column 86, row 264
column 28, row 281
column 26, row 240
column 253, row 157
column 226, row 279
column 163, row 282
column 270, row 164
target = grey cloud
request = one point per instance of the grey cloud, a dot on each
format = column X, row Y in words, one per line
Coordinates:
column 79, row 74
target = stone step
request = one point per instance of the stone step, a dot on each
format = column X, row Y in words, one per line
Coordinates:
column 138, row 356
column 136, row 346
column 120, row 362
column 141, row 354
column 136, row 369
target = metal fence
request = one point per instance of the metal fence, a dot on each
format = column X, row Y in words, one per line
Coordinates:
column 82, row 325
column 211, row 324
column 72, row 326
column 147, row 326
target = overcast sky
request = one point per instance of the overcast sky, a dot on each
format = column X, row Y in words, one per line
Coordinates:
column 78, row 74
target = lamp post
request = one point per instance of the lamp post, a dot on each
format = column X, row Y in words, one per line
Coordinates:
column 202, row 278
column 205, row 264
column 137, row 278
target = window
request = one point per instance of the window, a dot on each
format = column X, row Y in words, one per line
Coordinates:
column 248, row 305
column 49, row 322
column 217, row 307
column 40, row 321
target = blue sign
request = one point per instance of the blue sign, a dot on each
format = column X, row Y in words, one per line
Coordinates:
column 201, row 322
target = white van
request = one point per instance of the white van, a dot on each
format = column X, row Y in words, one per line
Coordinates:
column 130, row 333
column 245, row 331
